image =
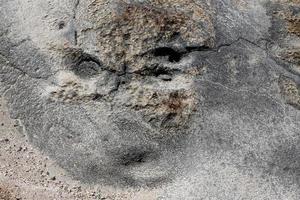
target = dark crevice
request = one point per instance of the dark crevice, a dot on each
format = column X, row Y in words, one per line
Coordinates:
column 197, row 48
column 75, row 37
column 78, row 60
column 75, row 8
column 78, row 57
column 74, row 19
column 97, row 97
column 156, row 71
column 173, row 56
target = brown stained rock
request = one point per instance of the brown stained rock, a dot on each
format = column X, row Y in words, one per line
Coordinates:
column 131, row 106
column 294, row 25
column 292, row 22
column 293, row 56
column 290, row 91
column 164, row 109
column 133, row 29
column 5, row 194
column 139, row 49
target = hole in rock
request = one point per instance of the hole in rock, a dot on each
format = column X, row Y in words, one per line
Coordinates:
column 86, row 69
column 173, row 56
column 61, row 25
column 82, row 64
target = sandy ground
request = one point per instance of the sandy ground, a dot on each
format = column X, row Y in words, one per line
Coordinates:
column 26, row 174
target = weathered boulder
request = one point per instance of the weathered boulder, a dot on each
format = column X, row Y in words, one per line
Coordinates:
column 194, row 96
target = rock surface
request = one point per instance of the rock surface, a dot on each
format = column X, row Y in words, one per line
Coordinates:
column 199, row 98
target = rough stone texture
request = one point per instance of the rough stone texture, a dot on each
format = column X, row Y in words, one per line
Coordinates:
column 27, row 174
column 199, row 98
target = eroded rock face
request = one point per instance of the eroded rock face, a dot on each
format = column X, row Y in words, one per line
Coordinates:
column 129, row 71
column 136, row 55
column 159, row 93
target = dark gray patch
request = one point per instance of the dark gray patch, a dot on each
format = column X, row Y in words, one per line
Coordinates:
column 86, row 69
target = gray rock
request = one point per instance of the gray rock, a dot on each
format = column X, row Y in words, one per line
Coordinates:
column 200, row 98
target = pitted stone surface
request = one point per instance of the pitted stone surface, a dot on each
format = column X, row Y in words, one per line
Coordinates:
column 199, row 98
